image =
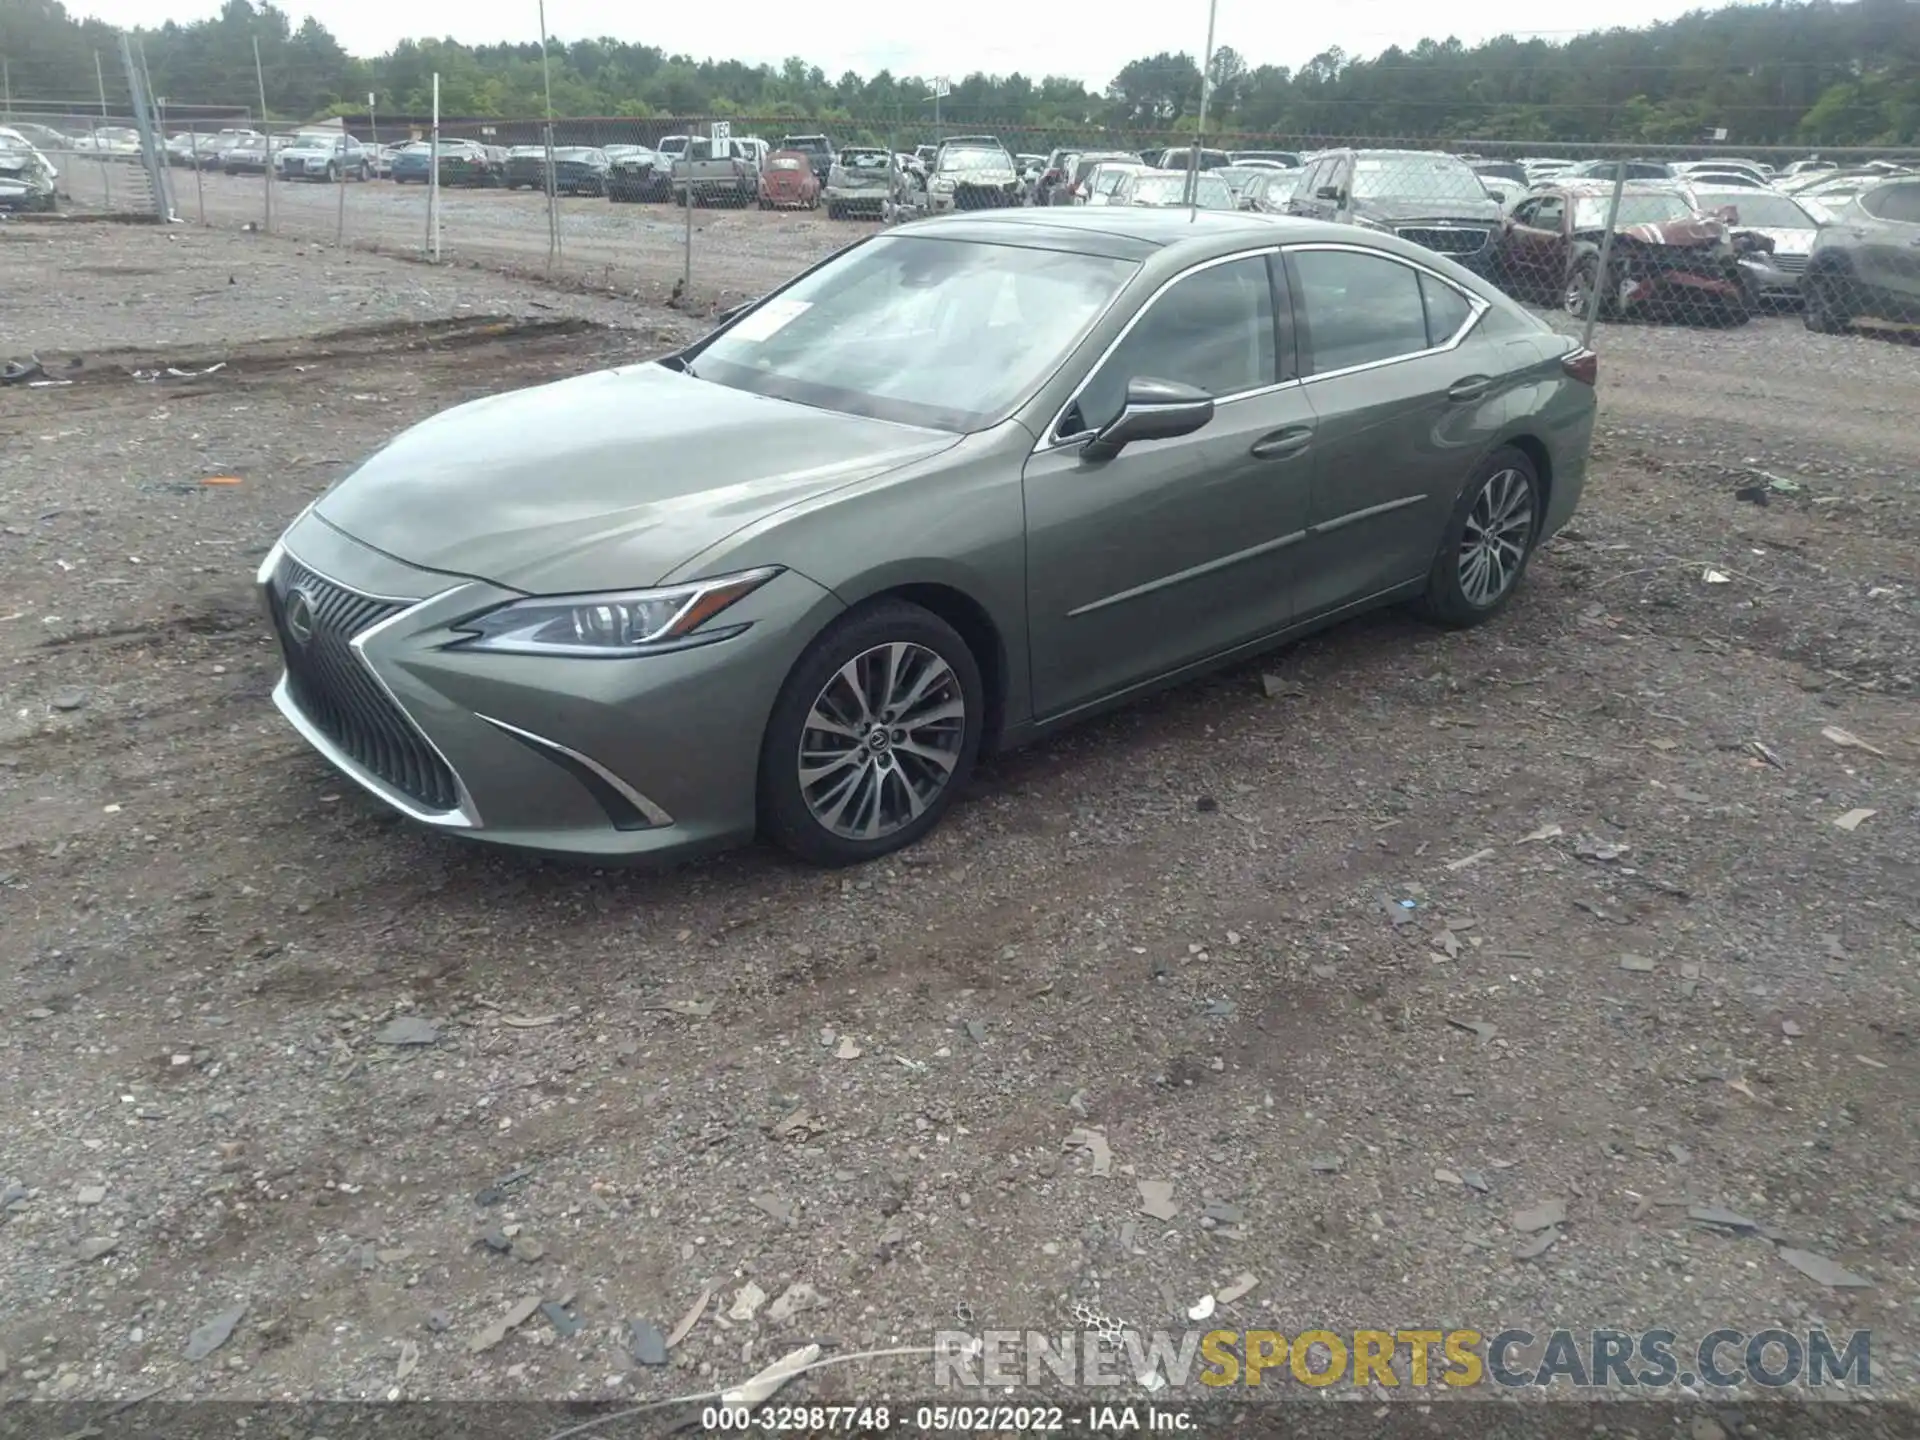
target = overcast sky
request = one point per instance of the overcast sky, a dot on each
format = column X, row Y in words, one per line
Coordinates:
column 1064, row 37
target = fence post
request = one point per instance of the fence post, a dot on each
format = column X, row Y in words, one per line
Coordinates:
column 686, row 263
column 1606, row 254
column 433, row 177
column 266, row 131
column 106, row 176
column 340, row 220
column 199, row 174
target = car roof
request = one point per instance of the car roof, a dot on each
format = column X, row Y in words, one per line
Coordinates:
column 1127, row 233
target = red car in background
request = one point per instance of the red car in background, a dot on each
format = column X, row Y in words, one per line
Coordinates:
column 788, row 182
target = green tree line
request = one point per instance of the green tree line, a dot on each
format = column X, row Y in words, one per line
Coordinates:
column 1772, row 74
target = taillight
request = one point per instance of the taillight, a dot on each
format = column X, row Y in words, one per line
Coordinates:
column 1581, row 365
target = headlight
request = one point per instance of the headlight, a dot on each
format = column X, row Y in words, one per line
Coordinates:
column 1366, row 224
column 942, row 187
column 613, row 625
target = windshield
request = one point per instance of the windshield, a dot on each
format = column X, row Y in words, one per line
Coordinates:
column 1415, row 177
column 786, row 162
column 948, row 334
column 812, row 144
column 418, row 147
column 1590, row 211
column 1764, row 211
column 1105, row 177
column 864, row 159
column 1500, row 170
column 1210, row 192
column 975, row 160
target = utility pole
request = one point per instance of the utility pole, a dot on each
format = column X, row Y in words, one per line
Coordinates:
column 260, row 75
column 1200, row 130
column 553, row 190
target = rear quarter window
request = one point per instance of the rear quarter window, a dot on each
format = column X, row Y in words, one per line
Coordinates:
column 1894, row 202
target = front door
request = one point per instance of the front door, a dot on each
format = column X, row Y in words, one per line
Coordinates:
column 1174, row 549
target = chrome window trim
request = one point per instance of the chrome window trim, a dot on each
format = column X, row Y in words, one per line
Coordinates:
column 1050, row 442
column 465, row 815
column 1478, row 307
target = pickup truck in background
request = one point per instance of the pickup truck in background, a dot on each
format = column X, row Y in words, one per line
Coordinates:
column 716, row 171
column 817, row 148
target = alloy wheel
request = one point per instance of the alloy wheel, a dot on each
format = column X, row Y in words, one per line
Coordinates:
column 881, row 740
column 1494, row 543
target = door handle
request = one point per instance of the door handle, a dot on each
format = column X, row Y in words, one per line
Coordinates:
column 1471, row 388
column 1282, row 444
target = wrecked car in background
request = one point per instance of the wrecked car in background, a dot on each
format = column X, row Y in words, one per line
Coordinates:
column 1772, row 274
column 1666, row 255
column 637, row 173
column 859, row 181
column 26, row 177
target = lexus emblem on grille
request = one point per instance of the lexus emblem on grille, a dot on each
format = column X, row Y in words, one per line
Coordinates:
column 300, row 616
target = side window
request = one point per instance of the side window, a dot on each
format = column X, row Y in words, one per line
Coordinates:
column 1897, row 202
column 1524, row 212
column 1359, row 308
column 1551, row 212
column 1447, row 309
column 1214, row 330
column 1309, row 185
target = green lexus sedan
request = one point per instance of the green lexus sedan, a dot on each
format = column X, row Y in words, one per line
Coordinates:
column 960, row 483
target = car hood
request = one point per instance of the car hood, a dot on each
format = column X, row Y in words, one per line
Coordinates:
column 1790, row 240
column 604, row 481
column 979, row 175
column 1477, row 212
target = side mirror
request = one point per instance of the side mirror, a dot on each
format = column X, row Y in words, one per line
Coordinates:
column 726, row 317
column 1328, row 192
column 1154, row 410
column 1729, row 214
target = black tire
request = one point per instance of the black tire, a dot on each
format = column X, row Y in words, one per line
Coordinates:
column 1576, row 292
column 333, row 173
column 1819, row 314
column 785, row 817
column 1448, row 600
column 834, row 212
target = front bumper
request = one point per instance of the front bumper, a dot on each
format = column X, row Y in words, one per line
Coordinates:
column 651, row 757
column 1772, row 276
column 848, row 197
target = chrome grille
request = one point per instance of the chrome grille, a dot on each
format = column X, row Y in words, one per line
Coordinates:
column 1447, row 239
column 1794, row 264
column 332, row 687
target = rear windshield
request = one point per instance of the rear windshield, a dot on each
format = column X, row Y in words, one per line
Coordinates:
column 864, row 159
column 786, row 162
column 1759, row 209
column 813, row 144
column 974, row 160
column 1210, row 191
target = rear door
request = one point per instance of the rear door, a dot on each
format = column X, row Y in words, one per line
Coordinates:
column 1405, row 400
column 1531, row 254
column 1177, row 549
column 1888, row 261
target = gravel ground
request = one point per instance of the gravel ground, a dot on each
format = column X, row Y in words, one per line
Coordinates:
column 1363, row 950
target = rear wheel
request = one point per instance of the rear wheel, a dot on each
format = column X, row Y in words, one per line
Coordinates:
column 1487, row 543
column 1576, row 296
column 873, row 735
column 333, row 173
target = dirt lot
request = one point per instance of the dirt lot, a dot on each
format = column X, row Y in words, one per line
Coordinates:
column 1364, row 949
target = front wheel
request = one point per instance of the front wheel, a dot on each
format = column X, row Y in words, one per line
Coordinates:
column 1487, row 543
column 333, row 174
column 1576, row 296
column 872, row 737
column 1819, row 313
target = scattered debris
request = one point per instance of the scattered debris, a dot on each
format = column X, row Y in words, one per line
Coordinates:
column 747, row 1303
column 1791, row 1029
column 692, row 1009
column 977, row 1031
column 529, row 1251
column 645, row 1343
column 1716, row 577
column 1681, row 1155
column 408, row 1030
column 772, row 1205
column 1538, row 1245
column 763, row 1385
column 692, row 1317
column 1720, row 1217
column 96, row 1247
column 1819, row 1267
column 529, row 1022
column 796, row 1298
column 1156, row 1199
column 1852, row 819
column 493, row 1333
column 1448, row 1177
column 1548, row 831
column 1847, row 740
column 1474, row 859
column 1201, row 1308
column 68, row 700
column 1639, row 964
column 209, row 1337
column 1474, row 1180
column 1095, row 1144
column 565, row 1323
column 1327, row 1164
column 1242, row 1286
column 1544, row 1216
column 409, row 1360
column 1588, row 848
column 798, row 1125
column 1484, row 1030
column 90, row 1195
column 847, row 1049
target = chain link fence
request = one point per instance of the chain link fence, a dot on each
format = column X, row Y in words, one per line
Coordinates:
column 706, row 212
